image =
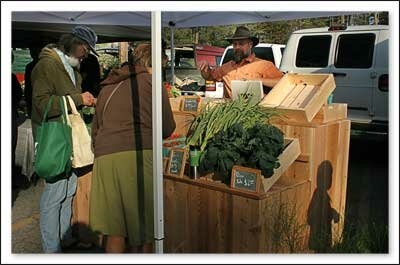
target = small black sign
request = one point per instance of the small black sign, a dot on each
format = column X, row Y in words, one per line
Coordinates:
column 245, row 178
column 191, row 104
column 177, row 162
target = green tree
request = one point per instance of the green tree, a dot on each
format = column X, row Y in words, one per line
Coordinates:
column 272, row 32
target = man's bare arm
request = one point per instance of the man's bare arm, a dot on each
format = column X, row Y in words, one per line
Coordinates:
column 270, row 82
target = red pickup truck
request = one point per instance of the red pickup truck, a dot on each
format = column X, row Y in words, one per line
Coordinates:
column 212, row 54
column 187, row 58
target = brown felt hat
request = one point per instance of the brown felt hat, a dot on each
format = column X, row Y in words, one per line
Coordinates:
column 243, row 33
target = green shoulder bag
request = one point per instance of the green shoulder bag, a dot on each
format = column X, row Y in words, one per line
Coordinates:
column 54, row 147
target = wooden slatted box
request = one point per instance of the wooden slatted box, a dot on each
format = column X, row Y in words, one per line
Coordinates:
column 300, row 97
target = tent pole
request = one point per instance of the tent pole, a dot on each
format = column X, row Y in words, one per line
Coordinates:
column 172, row 27
column 156, row 43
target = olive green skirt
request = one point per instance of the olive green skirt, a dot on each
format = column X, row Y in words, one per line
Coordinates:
column 121, row 198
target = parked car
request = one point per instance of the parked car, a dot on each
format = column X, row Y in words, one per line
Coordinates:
column 187, row 58
column 267, row 51
column 358, row 58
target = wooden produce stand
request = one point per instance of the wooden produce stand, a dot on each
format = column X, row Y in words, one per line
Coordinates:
column 204, row 216
column 324, row 134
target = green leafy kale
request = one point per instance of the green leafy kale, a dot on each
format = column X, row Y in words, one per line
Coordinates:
column 256, row 147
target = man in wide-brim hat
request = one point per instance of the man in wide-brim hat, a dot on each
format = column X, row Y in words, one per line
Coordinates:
column 244, row 66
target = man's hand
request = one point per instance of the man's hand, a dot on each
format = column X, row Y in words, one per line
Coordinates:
column 203, row 66
column 88, row 99
column 204, row 69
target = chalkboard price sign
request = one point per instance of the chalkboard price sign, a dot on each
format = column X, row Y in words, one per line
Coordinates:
column 190, row 104
column 246, row 178
column 177, row 161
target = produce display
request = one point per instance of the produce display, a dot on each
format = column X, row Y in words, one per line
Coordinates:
column 236, row 133
column 214, row 118
column 173, row 92
column 174, row 141
column 256, row 147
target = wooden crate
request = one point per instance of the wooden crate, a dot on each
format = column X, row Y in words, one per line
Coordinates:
column 300, row 97
column 328, row 113
column 288, row 156
column 204, row 217
column 175, row 103
column 183, row 121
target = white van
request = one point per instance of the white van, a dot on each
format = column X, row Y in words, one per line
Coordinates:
column 267, row 51
column 357, row 56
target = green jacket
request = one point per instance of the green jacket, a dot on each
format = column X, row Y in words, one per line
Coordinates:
column 49, row 77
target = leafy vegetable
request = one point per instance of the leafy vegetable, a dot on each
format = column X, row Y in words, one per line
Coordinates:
column 257, row 147
column 215, row 118
column 88, row 110
column 175, row 92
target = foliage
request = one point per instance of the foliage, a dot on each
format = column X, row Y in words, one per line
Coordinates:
column 270, row 32
column 215, row 117
column 86, row 110
column 289, row 234
column 285, row 228
column 109, row 60
column 255, row 147
column 367, row 238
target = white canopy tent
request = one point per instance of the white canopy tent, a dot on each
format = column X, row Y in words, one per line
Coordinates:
column 86, row 18
column 197, row 19
column 46, row 27
column 130, row 24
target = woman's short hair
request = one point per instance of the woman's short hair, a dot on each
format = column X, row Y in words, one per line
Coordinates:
column 141, row 55
column 69, row 42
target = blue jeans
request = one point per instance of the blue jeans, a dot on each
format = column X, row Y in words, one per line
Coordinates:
column 56, row 213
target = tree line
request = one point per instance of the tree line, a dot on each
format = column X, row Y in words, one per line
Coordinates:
column 270, row 32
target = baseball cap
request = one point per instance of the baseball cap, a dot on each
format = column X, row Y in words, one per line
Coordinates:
column 88, row 35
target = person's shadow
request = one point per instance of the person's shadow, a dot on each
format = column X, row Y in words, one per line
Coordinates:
column 320, row 213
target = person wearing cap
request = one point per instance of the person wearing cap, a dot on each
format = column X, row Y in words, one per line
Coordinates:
column 56, row 75
column 244, row 66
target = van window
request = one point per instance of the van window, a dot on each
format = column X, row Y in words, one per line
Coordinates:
column 313, row 51
column 264, row 53
column 355, row 50
column 218, row 59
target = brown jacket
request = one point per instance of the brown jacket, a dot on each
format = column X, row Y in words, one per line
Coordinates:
column 127, row 121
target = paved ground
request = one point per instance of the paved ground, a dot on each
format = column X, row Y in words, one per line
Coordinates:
column 25, row 220
column 367, row 192
column 367, row 195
